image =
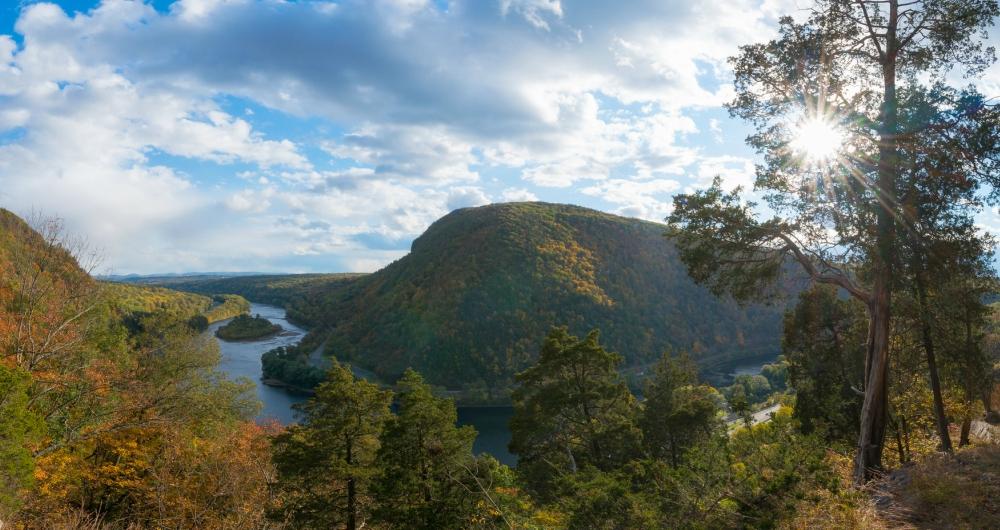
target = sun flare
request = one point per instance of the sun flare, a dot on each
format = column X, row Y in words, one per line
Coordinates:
column 818, row 140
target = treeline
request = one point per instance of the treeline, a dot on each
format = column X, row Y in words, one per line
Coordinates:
column 468, row 305
column 226, row 306
column 290, row 291
column 590, row 454
column 136, row 299
column 133, row 300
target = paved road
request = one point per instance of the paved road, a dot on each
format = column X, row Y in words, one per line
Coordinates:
column 757, row 417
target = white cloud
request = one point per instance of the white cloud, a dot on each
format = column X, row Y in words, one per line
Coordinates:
column 534, row 11
column 517, row 195
column 408, row 153
column 733, row 170
column 124, row 123
column 648, row 199
column 465, row 197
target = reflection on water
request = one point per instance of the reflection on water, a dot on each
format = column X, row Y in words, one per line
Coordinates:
column 242, row 359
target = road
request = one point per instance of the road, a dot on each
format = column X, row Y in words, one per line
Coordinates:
column 757, row 417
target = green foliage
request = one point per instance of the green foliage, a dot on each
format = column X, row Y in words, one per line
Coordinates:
column 571, row 410
column 288, row 291
column 425, row 463
column 289, row 366
column 614, row 500
column 325, row 464
column 136, row 299
column 226, row 306
column 753, row 389
column 198, row 323
column 20, row 428
column 776, row 374
column 244, row 327
column 678, row 413
column 824, row 349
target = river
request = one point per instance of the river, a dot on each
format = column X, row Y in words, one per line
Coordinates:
column 242, row 359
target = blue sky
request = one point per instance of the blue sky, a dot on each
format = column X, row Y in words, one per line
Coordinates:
column 271, row 135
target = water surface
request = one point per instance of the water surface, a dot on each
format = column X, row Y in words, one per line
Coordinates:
column 242, row 359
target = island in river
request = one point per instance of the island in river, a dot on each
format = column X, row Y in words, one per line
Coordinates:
column 246, row 327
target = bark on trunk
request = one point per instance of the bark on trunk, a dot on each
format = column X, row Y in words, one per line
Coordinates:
column 928, row 340
column 899, row 442
column 963, row 439
column 874, row 408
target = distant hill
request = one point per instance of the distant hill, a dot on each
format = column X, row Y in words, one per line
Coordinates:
column 471, row 302
column 299, row 293
column 23, row 247
column 157, row 279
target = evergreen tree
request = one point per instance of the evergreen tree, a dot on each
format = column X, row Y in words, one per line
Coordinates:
column 325, row 464
column 824, row 348
column 426, row 467
column 572, row 409
column 851, row 68
column 678, row 412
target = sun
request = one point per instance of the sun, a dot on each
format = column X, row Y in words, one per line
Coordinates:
column 817, row 139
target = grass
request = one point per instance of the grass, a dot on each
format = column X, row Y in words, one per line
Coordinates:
column 944, row 491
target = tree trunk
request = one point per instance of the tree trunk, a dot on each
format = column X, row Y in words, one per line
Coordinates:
column 874, row 408
column 673, row 452
column 928, row 340
column 352, row 517
column 906, row 437
column 899, row 441
column 963, row 439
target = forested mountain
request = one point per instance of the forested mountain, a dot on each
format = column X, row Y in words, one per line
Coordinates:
column 470, row 302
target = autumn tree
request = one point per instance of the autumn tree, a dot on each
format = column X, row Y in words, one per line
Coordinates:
column 828, row 101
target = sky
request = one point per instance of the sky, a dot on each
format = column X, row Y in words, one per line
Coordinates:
column 319, row 136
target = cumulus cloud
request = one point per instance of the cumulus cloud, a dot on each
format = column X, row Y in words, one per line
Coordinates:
column 117, row 118
column 517, row 195
column 648, row 199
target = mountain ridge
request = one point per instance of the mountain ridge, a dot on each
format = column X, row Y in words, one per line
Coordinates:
column 471, row 302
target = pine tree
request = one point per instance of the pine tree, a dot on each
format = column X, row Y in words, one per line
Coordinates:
column 426, row 467
column 325, row 464
column 677, row 412
column 572, row 409
column 851, row 68
column 824, row 347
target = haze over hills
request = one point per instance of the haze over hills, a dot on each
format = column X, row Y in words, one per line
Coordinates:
column 469, row 305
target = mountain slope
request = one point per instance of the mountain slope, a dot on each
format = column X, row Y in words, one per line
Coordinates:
column 471, row 302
